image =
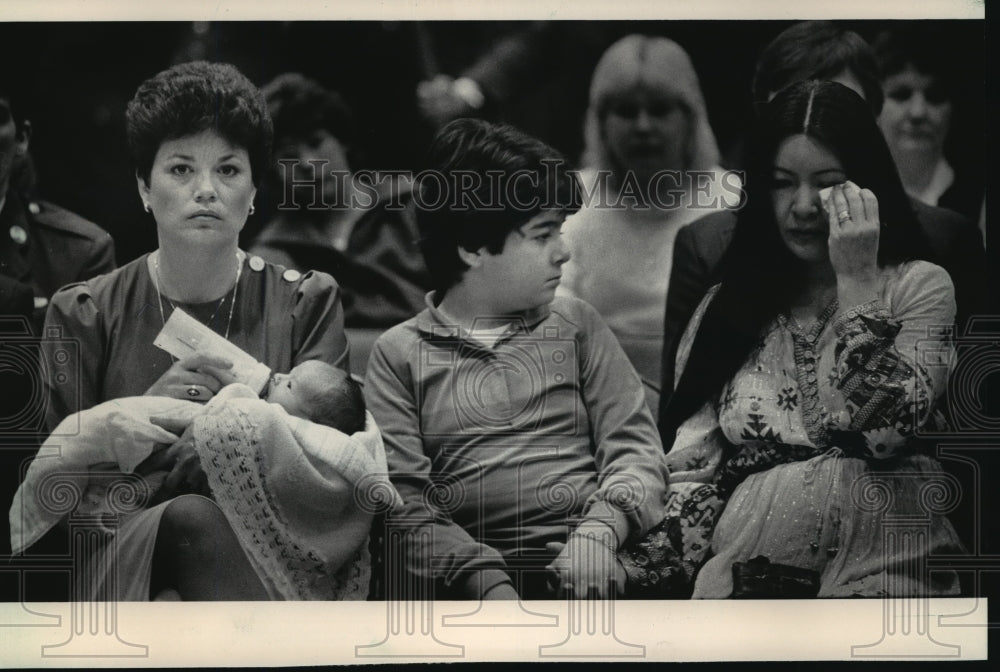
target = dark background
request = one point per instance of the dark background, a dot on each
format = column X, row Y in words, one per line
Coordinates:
column 81, row 76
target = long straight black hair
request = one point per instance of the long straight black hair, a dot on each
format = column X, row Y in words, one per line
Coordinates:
column 760, row 274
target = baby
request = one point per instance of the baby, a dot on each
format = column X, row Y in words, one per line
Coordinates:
column 117, row 435
column 319, row 392
column 314, row 391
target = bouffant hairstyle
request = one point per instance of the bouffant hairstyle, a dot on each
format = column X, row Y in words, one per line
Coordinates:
column 193, row 97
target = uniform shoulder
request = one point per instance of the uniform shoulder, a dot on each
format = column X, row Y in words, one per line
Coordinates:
column 60, row 219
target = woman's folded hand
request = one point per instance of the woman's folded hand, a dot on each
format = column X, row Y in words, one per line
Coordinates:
column 186, row 475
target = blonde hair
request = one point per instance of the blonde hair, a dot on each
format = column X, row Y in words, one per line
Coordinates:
column 658, row 65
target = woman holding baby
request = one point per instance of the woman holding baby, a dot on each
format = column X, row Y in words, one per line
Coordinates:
column 200, row 136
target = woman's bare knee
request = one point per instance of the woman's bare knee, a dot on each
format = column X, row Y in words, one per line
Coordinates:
column 198, row 554
column 191, row 520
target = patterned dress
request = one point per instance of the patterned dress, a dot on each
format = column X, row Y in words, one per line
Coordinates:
column 811, row 444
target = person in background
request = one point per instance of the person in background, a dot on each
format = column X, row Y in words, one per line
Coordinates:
column 42, row 246
column 818, row 50
column 365, row 237
column 918, row 78
column 650, row 167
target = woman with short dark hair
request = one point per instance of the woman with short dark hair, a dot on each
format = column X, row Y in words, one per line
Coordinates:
column 920, row 71
column 200, row 135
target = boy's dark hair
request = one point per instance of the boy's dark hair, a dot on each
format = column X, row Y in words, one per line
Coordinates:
column 761, row 274
column 817, row 50
column 484, row 181
column 339, row 404
column 193, row 97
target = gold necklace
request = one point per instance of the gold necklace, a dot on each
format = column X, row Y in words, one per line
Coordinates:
column 157, row 281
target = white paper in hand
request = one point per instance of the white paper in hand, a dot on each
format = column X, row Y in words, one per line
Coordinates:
column 183, row 336
column 824, row 197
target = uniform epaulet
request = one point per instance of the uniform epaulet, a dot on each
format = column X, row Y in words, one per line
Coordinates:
column 54, row 217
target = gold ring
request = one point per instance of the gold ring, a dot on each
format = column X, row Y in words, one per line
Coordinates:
column 843, row 216
column 193, row 391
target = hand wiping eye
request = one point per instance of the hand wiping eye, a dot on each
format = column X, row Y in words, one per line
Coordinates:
column 825, row 194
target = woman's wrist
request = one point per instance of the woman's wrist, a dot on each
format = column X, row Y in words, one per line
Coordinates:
column 603, row 538
column 598, row 527
column 857, row 290
column 602, row 516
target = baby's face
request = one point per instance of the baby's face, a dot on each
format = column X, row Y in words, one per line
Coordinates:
column 292, row 390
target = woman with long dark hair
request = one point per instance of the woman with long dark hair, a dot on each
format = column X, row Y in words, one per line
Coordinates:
column 803, row 378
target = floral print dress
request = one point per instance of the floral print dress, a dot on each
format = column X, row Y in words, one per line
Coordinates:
column 811, row 444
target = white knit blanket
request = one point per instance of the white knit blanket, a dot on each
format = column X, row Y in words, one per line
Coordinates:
column 299, row 496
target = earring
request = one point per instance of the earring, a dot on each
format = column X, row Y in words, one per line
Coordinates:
column 251, row 209
column 146, row 207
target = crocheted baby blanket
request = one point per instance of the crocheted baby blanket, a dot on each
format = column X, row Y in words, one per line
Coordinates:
column 299, row 496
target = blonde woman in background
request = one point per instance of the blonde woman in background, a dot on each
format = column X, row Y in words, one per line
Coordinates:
column 650, row 167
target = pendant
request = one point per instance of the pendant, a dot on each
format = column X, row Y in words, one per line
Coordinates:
column 813, row 546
